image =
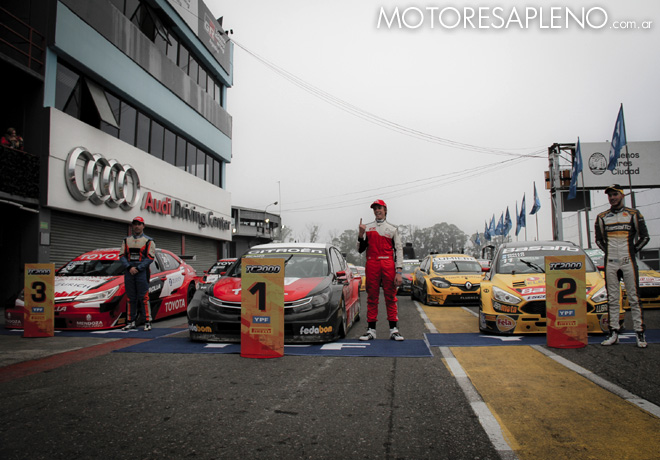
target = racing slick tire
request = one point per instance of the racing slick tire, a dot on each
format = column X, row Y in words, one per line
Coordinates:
column 190, row 294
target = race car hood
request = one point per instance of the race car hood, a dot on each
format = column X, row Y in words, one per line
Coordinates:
column 649, row 278
column 460, row 279
column 70, row 287
column 229, row 289
column 532, row 286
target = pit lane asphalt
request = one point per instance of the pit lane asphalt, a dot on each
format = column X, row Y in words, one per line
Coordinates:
column 134, row 405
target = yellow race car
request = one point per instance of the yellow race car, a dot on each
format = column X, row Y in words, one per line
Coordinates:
column 649, row 281
column 447, row 280
column 512, row 297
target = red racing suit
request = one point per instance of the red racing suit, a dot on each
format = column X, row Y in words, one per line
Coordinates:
column 137, row 252
column 616, row 230
column 384, row 256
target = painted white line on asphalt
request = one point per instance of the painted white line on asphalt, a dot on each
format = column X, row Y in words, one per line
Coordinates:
column 488, row 421
column 473, row 313
column 609, row 386
column 427, row 321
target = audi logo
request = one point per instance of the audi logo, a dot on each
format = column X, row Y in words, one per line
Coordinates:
column 101, row 181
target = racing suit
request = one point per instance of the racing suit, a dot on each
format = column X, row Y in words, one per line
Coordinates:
column 384, row 256
column 616, row 230
column 137, row 252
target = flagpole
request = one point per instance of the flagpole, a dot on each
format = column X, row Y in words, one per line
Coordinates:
column 586, row 210
column 625, row 136
column 536, row 214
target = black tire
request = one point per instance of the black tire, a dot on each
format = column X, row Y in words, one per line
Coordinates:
column 190, row 294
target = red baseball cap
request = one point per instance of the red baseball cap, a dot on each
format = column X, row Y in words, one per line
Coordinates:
column 378, row 203
column 138, row 219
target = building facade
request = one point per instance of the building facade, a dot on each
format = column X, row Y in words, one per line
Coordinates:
column 122, row 105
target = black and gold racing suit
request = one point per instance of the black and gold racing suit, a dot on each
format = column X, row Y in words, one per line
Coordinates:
column 616, row 232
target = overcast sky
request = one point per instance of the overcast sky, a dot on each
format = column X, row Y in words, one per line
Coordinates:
column 444, row 124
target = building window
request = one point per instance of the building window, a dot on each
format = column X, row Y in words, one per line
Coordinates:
column 169, row 147
column 180, row 153
column 157, row 136
column 127, row 120
column 142, row 137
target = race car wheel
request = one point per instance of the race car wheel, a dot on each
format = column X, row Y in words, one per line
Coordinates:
column 413, row 296
column 341, row 333
column 191, row 294
column 425, row 299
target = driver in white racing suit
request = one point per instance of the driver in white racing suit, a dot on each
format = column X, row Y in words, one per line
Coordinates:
column 616, row 232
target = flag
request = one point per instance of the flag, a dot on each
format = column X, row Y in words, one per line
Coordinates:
column 507, row 223
column 522, row 218
column 576, row 170
column 478, row 240
column 618, row 140
column 486, row 231
column 499, row 230
column 537, row 202
column 491, row 227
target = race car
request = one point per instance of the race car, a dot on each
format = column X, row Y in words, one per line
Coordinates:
column 512, row 299
column 217, row 270
column 321, row 296
column 447, row 280
column 363, row 273
column 649, row 281
column 409, row 267
column 90, row 295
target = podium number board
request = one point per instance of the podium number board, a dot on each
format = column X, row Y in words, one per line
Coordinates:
column 39, row 300
column 262, row 307
column 566, row 302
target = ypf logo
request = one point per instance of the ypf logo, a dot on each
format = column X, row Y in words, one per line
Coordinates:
column 89, row 176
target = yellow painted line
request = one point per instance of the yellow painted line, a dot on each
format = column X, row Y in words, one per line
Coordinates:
column 547, row 411
column 451, row 319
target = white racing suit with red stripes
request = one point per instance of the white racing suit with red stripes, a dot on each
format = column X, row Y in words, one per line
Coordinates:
column 384, row 256
column 616, row 230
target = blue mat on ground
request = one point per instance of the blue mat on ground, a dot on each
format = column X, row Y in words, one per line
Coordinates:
column 374, row 348
column 483, row 340
column 109, row 333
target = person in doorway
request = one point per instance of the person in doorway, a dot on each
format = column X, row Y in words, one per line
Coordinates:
column 383, row 268
column 12, row 140
column 621, row 233
column 137, row 253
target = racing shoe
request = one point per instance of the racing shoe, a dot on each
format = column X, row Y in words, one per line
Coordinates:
column 395, row 335
column 641, row 339
column 369, row 335
column 147, row 326
column 613, row 339
column 130, row 325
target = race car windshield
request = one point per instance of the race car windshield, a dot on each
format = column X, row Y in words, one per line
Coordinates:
column 92, row 268
column 219, row 268
column 532, row 262
column 454, row 266
column 409, row 268
column 295, row 265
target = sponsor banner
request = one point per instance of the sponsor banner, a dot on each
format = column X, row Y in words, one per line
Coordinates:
column 566, row 302
column 39, row 300
column 262, row 307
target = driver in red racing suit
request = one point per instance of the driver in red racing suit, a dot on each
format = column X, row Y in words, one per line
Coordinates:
column 383, row 268
column 616, row 231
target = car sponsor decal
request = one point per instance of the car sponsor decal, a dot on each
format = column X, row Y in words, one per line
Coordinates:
column 73, row 286
column 505, row 323
column 315, row 330
column 173, row 281
column 649, row 281
column 284, row 251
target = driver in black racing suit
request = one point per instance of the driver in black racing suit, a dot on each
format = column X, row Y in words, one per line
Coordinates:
column 616, row 231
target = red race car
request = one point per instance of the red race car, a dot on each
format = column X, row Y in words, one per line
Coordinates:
column 89, row 291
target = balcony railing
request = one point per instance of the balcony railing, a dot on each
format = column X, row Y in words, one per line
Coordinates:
column 21, row 42
column 19, row 173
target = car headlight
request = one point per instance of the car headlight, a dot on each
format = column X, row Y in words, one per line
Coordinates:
column 506, row 297
column 600, row 296
column 98, row 296
column 321, row 299
column 440, row 283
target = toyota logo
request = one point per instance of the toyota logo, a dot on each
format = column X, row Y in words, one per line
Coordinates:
column 89, row 176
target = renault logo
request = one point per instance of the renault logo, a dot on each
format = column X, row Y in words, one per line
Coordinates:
column 468, row 285
column 89, row 176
